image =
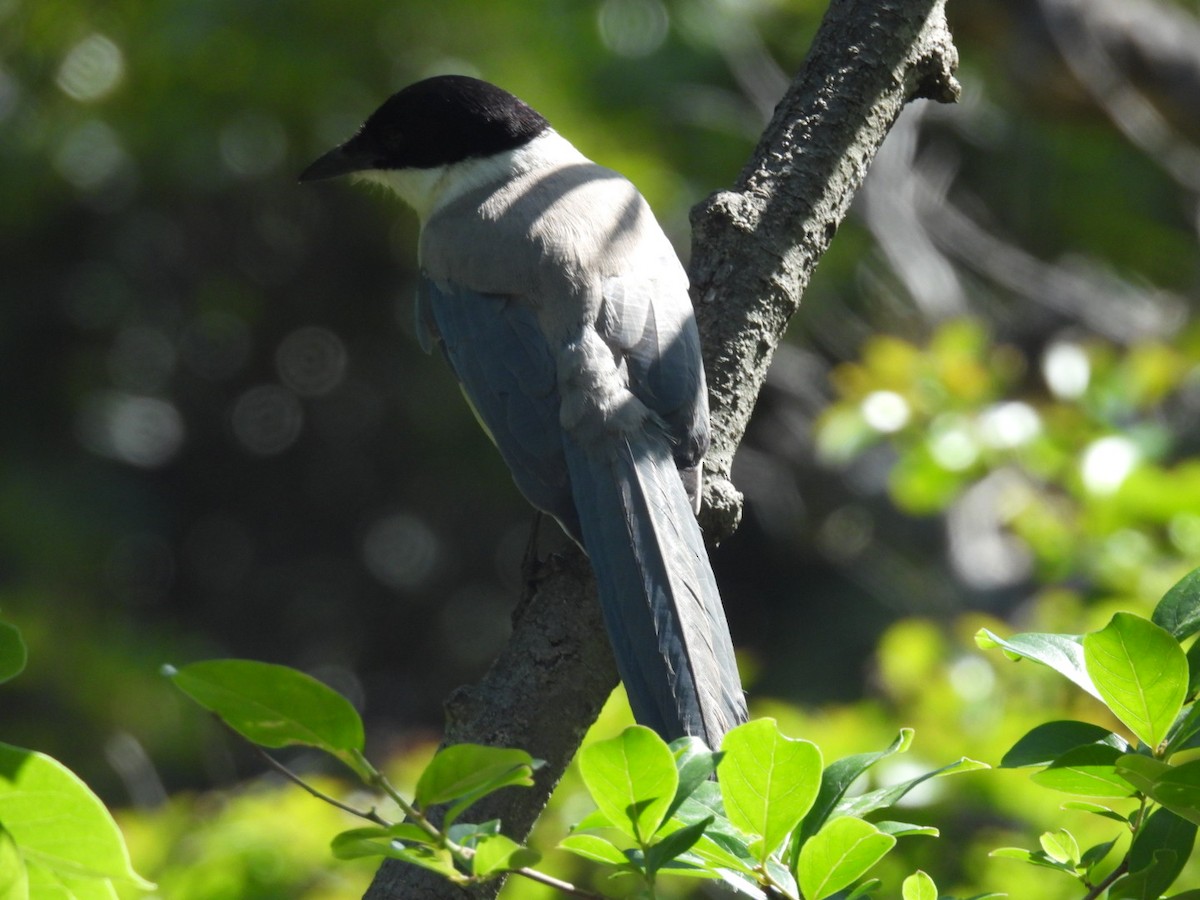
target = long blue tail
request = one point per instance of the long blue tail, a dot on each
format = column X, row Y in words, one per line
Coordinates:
column 661, row 606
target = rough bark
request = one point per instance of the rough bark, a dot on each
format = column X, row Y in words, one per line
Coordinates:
column 755, row 247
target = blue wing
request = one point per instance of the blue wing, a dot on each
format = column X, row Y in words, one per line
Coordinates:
column 498, row 353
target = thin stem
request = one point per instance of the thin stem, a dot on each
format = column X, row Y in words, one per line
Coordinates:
column 563, row 886
column 370, row 815
column 1108, row 882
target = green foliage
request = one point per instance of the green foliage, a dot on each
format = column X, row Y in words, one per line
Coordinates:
column 1140, row 672
column 759, row 828
column 56, row 837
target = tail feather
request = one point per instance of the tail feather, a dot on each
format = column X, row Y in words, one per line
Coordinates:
column 661, row 605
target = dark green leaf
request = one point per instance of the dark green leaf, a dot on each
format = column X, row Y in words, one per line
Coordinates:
column 275, row 706
column 1179, row 610
column 1175, row 787
column 1141, row 673
column 1047, row 742
column 1186, row 728
column 1061, row 652
column 496, row 853
column 835, row 780
column 57, row 822
column 632, row 778
column 12, row 653
column 695, row 764
column 885, row 797
column 1163, row 830
column 1193, row 658
column 674, row 845
column 1094, row 855
column 468, row 772
column 768, row 782
column 469, row 833
column 839, row 854
column 1090, row 770
column 1143, row 885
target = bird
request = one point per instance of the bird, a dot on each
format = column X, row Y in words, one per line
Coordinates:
column 563, row 311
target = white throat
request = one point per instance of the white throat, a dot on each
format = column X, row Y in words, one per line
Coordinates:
column 429, row 190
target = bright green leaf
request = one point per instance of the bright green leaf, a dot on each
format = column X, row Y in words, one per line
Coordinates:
column 12, row 653
column 768, row 782
column 1061, row 652
column 1090, row 770
column 839, row 854
column 918, row 886
column 14, row 880
column 1179, row 610
column 632, row 778
column 61, row 828
column 468, row 772
column 1033, row 857
column 46, row 883
column 905, row 829
column 595, row 848
column 497, row 853
column 1096, row 809
column 1141, row 673
column 376, row 840
column 1060, row 846
column 275, row 706
column 1050, row 740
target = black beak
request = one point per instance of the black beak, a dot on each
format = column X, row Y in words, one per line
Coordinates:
column 342, row 160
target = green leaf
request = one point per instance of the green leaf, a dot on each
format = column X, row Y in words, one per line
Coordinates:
column 1179, row 610
column 376, row 840
column 1163, row 830
column 695, row 764
column 497, row 853
column 1095, row 854
column 1096, row 809
column 836, row 779
column 674, row 845
column 61, row 828
column 839, row 854
column 1143, row 885
column 1193, row 658
column 1061, row 652
column 768, row 782
column 1175, row 787
column 885, row 797
column 469, row 772
column 870, row 886
column 12, row 653
column 905, row 829
column 1183, row 732
column 1060, row 846
column 1033, row 857
column 275, row 706
column 1048, row 741
column 14, row 880
column 632, row 778
column 1090, row 770
column 595, row 848
column 918, row 886
column 1141, row 673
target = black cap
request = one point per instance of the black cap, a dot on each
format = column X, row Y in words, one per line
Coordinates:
column 433, row 123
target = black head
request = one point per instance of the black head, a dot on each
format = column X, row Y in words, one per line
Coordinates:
column 433, row 123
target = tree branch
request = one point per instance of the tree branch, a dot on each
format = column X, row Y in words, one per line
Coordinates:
column 755, row 247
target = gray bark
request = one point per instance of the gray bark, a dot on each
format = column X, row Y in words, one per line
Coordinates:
column 755, row 247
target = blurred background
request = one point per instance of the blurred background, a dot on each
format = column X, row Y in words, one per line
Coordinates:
column 221, row 438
